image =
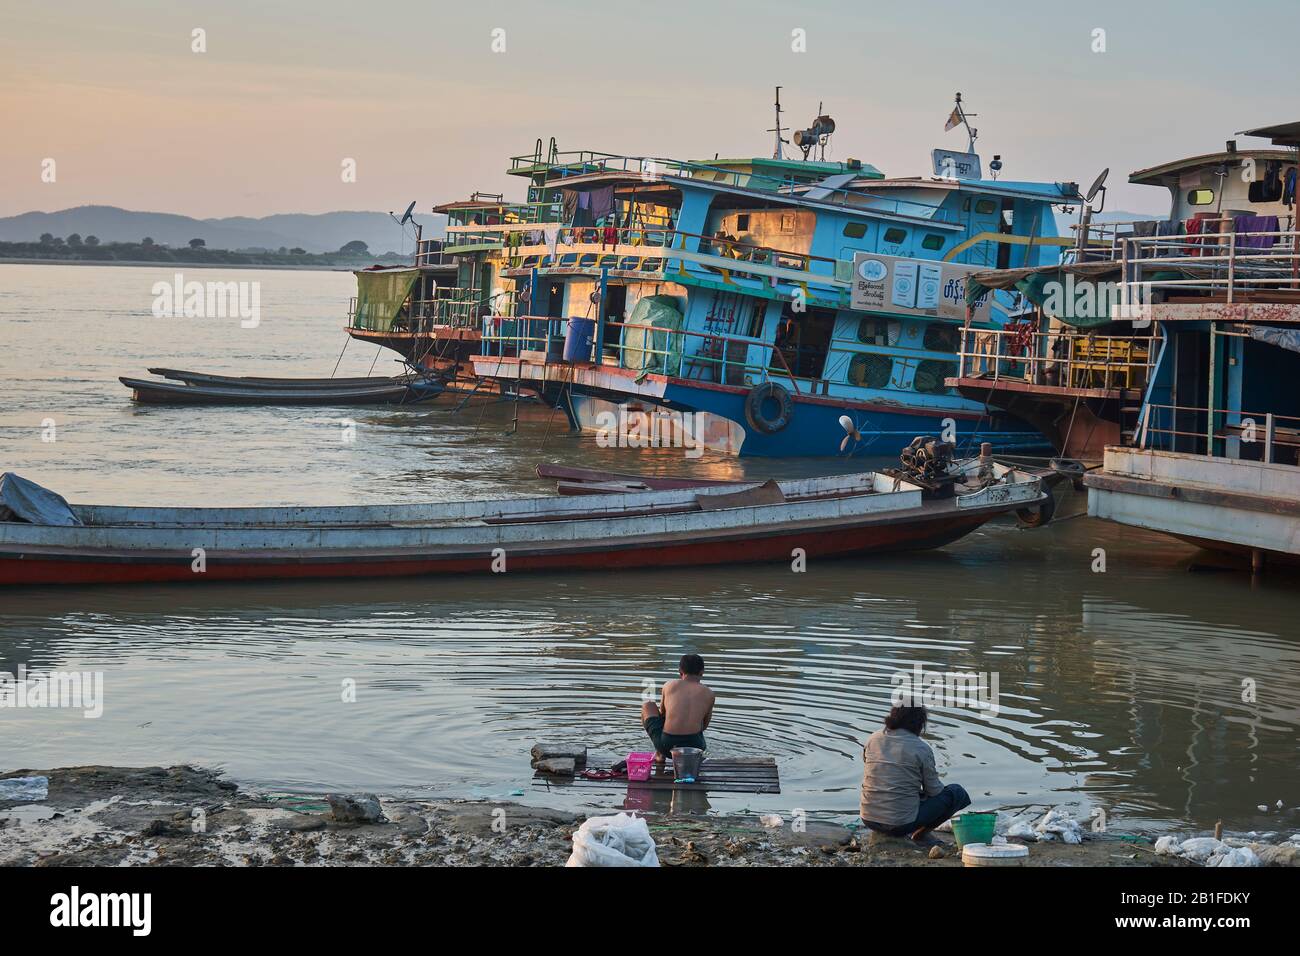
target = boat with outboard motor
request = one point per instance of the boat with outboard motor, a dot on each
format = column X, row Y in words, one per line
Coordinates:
column 47, row 541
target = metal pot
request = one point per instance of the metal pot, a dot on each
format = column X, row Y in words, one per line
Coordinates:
column 686, row 763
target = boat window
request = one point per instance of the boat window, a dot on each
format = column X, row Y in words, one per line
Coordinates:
column 804, row 339
column 874, row 331
column 965, row 204
column 1200, row 197
column 986, row 207
column 940, row 337
column 870, row 370
column 930, row 374
column 855, row 230
column 742, row 222
column 933, row 242
column 894, row 236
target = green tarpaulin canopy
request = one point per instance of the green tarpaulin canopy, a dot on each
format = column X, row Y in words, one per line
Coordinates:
column 648, row 344
column 1080, row 294
column 1075, row 294
column 380, row 296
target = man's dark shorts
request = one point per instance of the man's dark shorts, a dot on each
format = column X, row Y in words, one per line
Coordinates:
column 664, row 743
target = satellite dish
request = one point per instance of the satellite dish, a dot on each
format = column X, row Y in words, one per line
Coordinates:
column 1097, row 184
column 851, row 430
column 406, row 216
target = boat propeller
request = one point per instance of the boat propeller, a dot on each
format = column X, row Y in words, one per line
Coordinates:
column 852, row 433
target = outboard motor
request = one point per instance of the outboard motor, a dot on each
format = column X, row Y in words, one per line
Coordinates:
column 927, row 457
column 928, row 462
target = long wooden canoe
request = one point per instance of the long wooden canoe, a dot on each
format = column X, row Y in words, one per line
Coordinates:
column 149, row 392
column 842, row 516
column 255, row 381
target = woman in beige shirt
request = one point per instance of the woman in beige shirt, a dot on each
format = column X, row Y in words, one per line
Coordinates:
column 902, row 794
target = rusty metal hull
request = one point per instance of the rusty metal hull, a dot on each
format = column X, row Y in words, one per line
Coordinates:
column 1079, row 422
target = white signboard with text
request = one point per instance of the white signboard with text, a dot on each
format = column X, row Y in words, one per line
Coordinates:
column 912, row 287
column 950, row 164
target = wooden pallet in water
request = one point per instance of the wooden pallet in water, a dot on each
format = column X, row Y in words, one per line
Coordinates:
column 717, row 775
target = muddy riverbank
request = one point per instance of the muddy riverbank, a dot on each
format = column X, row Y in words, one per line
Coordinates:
column 185, row 816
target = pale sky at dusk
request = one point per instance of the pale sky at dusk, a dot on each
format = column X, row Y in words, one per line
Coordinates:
column 261, row 122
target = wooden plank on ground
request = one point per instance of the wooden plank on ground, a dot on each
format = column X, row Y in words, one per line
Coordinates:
column 717, row 775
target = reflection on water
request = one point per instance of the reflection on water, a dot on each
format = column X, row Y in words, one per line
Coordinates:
column 1122, row 689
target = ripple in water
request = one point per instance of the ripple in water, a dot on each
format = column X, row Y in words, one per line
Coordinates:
column 1123, row 689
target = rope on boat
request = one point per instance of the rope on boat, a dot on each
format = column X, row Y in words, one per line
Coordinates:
column 347, row 339
column 495, row 374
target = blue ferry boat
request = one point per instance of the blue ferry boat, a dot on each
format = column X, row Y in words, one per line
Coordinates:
column 760, row 306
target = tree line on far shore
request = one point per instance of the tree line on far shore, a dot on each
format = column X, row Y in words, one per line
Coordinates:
column 77, row 248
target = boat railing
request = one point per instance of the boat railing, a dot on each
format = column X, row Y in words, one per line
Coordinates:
column 1220, row 262
column 448, row 307
column 563, row 165
column 1247, row 436
column 1060, row 358
column 648, row 249
column 504, row 334
column 727, row 248
column 1225, row 264
column 707, row 356
column 1101, row 240
column 430, row 252
column 474, row 213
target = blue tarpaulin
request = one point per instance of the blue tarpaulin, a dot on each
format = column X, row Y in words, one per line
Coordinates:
column 1284, row 338
column 23, row 500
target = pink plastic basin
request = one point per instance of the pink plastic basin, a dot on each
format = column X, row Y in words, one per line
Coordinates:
column 638, row 765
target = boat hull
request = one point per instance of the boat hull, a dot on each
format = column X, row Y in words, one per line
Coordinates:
column 275, row 384
column 1222, row 504
column 592, row 396
column 169, row 393
column 904, row 533
column 718, row 423
column 818, row 518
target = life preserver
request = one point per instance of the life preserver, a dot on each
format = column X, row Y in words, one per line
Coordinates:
column 754, row 411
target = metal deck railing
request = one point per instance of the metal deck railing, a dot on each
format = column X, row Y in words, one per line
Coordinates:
column 450, row 307
column 566, row 164
column 1062, row 358
column 647, row 249
column 1248, row 436
column 685, row 353
column 1219, row 262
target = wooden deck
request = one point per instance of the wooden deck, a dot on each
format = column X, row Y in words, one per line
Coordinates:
column 717, row 775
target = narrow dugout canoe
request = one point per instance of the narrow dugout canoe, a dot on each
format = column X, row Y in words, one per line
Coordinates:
column 149, row 392
column 256, row 381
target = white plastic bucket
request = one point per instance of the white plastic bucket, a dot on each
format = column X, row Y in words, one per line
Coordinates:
column 994, row 854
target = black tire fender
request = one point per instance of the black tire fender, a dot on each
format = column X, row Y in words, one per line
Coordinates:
column 758, row 397
column 1039, row 515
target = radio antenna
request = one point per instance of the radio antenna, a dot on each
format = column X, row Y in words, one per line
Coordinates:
column 776, row 149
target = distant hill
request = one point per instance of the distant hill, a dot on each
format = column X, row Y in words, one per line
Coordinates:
column 326, row 232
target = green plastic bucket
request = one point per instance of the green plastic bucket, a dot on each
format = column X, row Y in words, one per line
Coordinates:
column 973, row 828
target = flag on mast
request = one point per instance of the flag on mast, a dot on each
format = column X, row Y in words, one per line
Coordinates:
column 955, row 119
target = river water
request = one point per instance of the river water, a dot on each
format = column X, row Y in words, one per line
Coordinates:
column 1152, row 692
